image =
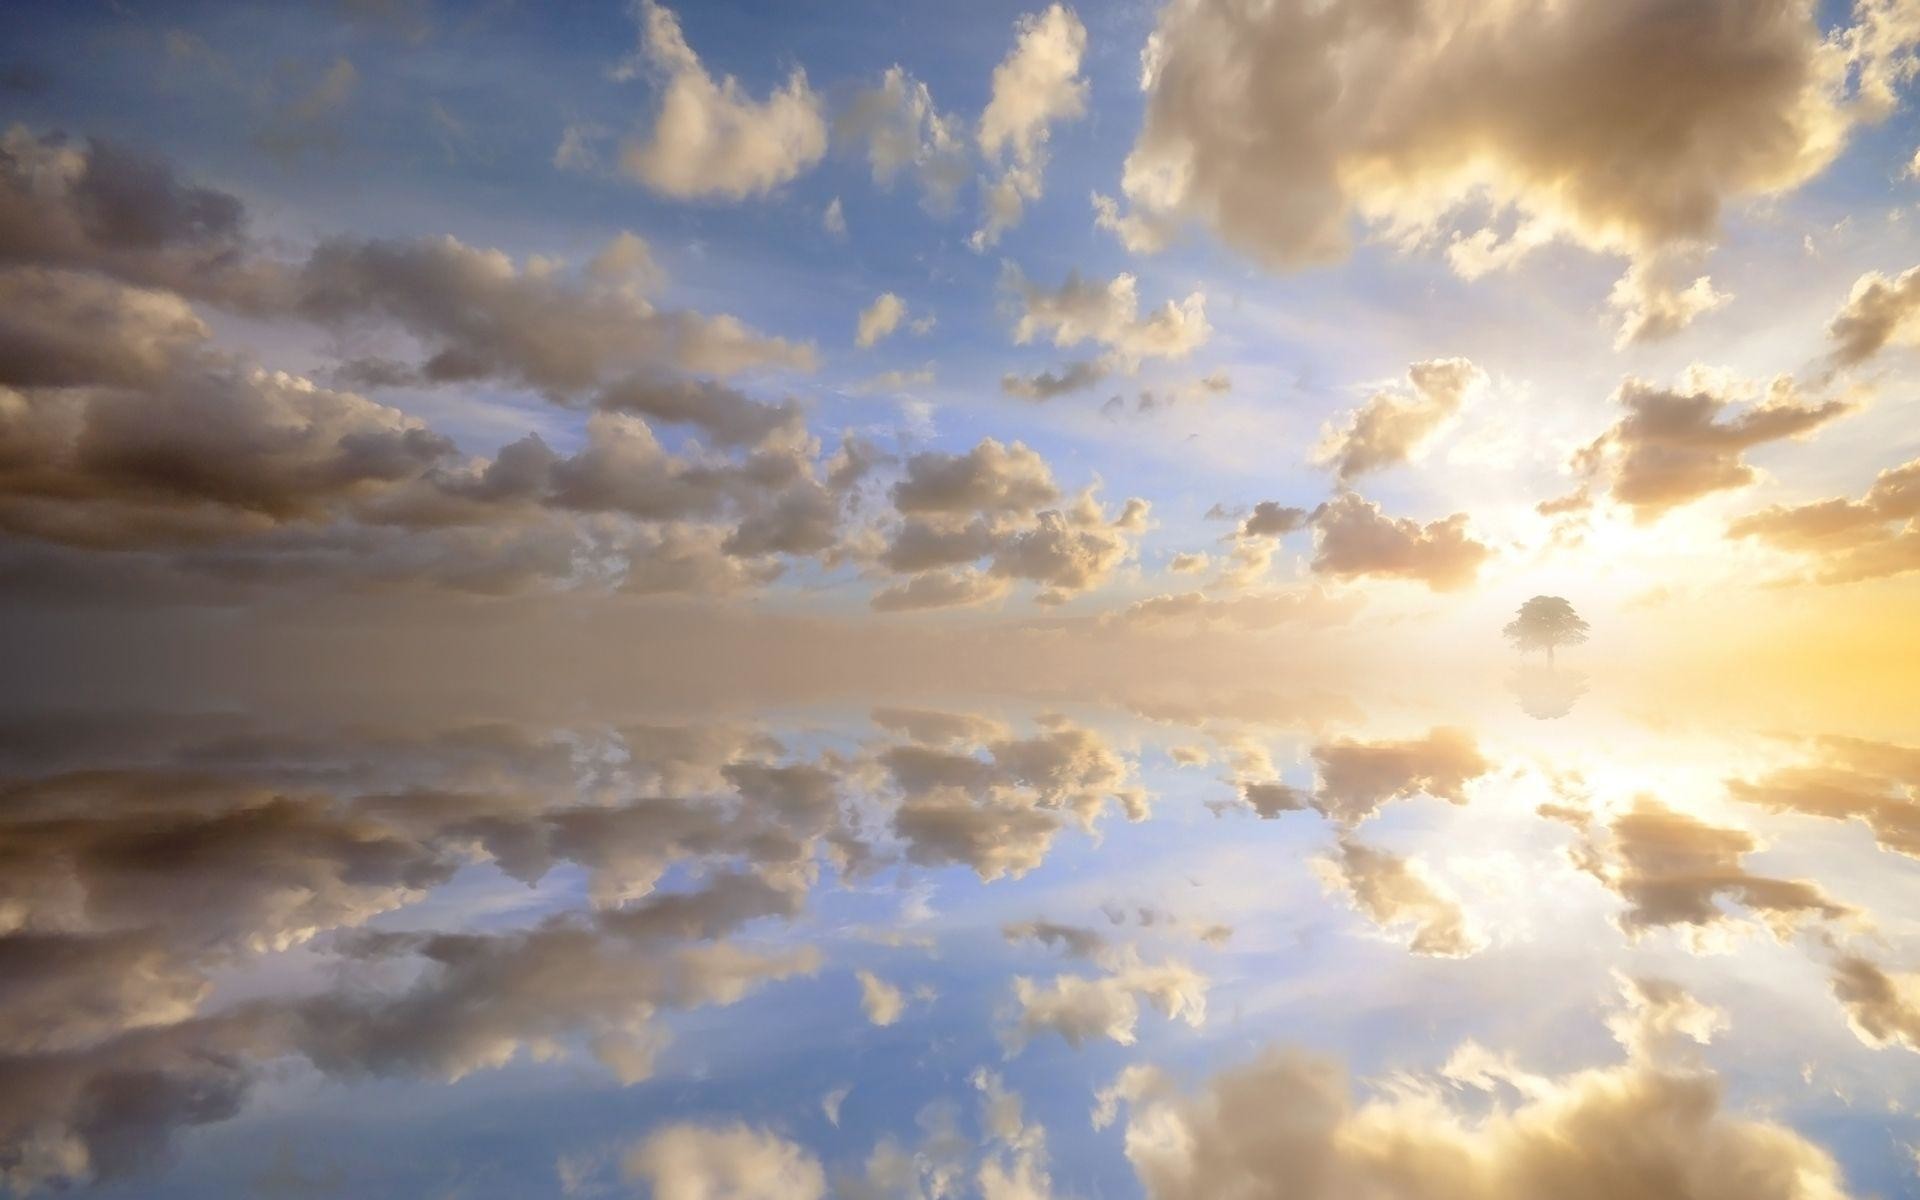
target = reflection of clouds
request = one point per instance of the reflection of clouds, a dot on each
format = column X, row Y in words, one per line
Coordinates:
column 1882, row 1008
column 1079, row 1007
column 1285, row 1124
column 1355, row 779
column 694, row 1162
column 212, row 842
column 659, row 869
column 993, row 802
column 1672, row 869
column 1853, row 780
column 1395, row 892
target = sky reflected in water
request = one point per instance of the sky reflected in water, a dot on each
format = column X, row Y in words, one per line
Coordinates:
column 1268, row 945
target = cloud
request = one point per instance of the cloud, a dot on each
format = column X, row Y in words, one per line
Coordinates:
column 879, row 319
column 481, row 316
column 1107, row 314
column 1355, row 779
column 1879, row 312
column 834, row 219
column 1394, row 891
column 958, row 509
column 712, row 140
column 1882, row 1009
column 128, row 433
column 905, row 132
column 1849, row 540
column 1286, row 1123
column 1284, row 127
column 995, row 803
column 1672, row 447
column 991, row 478
column 1653, row 301
column 1079, row 1008
column 940, row 589
column 64, row 991
column 1074, row 377
column 686, row 1161
column 1354, row 539
column 209, row 452
column 125, row 886
column 1391, row 427
column 1036, row 85
column 879, row 1000
column 101, row 207
column 1271, row 519
column 1869, row 782
column 60, row 328
column 578, row 149
column 627, row 261
column 1075, row 941
column 1672, row 869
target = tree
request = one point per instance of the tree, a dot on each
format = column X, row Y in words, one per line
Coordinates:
column 1544, row 623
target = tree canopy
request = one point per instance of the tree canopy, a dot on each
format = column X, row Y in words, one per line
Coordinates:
column 1544, row 623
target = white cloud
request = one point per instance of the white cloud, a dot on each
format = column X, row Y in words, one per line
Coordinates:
column 712, row 140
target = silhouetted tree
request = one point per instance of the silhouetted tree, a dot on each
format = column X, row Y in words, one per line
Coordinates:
column 1544, row 623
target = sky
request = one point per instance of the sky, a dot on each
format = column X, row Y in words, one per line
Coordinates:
column 685, row 560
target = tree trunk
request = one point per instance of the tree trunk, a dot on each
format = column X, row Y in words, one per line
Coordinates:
column 1549, row 656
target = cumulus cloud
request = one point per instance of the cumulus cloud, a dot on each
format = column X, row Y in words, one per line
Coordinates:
column 1879, row 312
column 476, row 313
column 480, row 315
column 879, row 319
column 1079, row 1008
column 1074, row 377
column 711, row 139
column 1396, row 892
column 101, row 207
column 1036, row 85
column 997, row 503
column 1848, row 540
column 1392, row 426
column 1286, row 1123
column 1673, row 869
column 1354, row 539
column 879, row 1000
column 1883, row 1009
column 905, row 132
column 1655, row 303
column 1107, row 314
column 1271, row 519
column 991, row 478
column 687, row 1161
column 993, row 801
column 127, row 432
column 1076, row 941
column 1673, row 447
column 1355, row 779
column 124, row 887
column 1284, row 127
column 1852, row 780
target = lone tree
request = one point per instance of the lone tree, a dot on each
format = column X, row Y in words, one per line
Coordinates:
column 1544, row 623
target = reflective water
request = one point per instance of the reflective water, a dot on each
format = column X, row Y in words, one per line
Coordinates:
column 1550, row 941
